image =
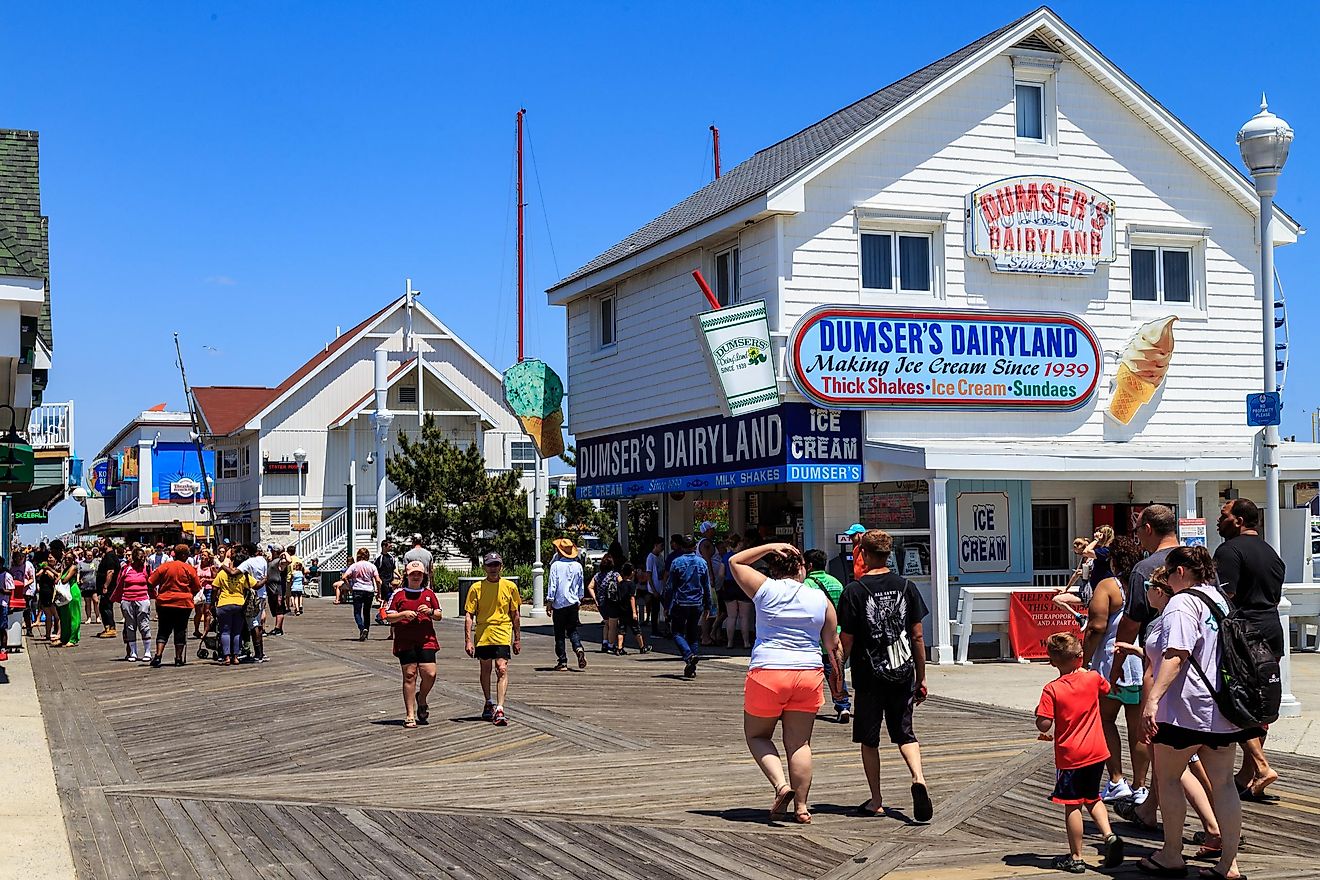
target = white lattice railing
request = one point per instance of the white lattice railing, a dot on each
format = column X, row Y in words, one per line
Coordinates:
column 331, row 534
column 1051, row 577
column 50, row 426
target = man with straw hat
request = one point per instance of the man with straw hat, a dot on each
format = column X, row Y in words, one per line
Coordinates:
column 565, row 598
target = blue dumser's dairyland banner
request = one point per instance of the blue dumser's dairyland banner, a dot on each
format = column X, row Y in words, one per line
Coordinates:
column 793, row 443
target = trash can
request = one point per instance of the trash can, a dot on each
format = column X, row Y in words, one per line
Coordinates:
column 327, row 584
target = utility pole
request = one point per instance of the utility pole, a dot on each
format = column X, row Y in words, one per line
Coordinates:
column 196, row 434
column 538, row 568
column 715, row 135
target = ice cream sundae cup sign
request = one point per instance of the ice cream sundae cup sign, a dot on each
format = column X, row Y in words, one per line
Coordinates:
column 535, row 393
column 737, row 343
column 1041, row 226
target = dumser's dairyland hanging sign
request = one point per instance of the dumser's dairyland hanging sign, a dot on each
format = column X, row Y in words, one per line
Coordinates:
column 1041, row 226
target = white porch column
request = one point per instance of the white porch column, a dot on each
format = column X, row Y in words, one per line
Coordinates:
column 1289, row 705
column 1188, row 501
column 939, row 571
column 146, row 480
column 813, row 518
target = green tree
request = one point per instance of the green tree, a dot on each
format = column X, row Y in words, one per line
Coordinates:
column 458, row 504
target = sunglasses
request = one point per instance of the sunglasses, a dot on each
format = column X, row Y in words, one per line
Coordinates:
column 1152, row 585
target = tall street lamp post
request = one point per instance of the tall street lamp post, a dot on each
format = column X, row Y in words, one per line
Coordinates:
column 300, row 456
column 1264, row 142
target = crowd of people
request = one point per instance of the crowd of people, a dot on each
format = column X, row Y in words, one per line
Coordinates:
column 228, row 594
column 1151, row 613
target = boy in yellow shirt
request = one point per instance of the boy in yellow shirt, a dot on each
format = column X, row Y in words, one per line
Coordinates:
column 492, row 610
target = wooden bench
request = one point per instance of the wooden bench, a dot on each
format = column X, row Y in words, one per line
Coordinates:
column 1305, row 613
column 984, row 608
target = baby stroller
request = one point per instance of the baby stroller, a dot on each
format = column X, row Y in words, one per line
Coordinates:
column 209, row 649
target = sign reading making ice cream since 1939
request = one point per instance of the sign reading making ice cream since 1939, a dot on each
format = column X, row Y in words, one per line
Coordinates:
column 1041, row 225
column 860, row 357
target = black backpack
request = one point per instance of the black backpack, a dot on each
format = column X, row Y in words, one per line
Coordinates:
column 1251, row 685
column 609, row 586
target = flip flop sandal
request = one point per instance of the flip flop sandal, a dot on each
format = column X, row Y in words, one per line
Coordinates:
column 802, row 818
column 410, row 723
column 423, row 713
column 862, row 810
column 782, row 800
column 1212, row 874
column 1149, row 866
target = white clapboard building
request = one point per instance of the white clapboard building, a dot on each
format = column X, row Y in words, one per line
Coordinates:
column 324, row 408
column 1020, row 204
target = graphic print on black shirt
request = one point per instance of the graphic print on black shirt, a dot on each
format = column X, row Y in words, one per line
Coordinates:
column 878, row 612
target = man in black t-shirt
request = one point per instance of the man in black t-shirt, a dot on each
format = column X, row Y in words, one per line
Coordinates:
column 1251, row 575
column 106, row 575
column 387, row 566
column 880, row 621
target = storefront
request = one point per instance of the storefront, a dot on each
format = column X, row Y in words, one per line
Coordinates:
column 754, row 465
column 1033, row 285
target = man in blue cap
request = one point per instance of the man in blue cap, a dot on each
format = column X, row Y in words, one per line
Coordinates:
column 840, row 567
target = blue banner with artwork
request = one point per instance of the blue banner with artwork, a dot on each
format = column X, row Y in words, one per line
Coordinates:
column 177, row 474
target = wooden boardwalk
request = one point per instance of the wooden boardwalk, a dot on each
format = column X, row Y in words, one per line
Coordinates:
column 299, row 769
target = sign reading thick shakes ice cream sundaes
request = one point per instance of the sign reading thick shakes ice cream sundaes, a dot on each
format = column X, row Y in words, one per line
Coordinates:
column 1041, row 225
column 860, row 357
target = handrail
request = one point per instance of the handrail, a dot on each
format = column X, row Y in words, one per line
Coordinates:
column 332, row 531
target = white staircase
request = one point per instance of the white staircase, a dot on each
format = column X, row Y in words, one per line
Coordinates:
column 328, row 542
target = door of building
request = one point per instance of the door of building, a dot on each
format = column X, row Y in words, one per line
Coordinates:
column 1051, row 543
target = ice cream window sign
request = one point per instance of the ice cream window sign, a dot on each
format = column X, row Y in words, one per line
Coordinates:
column 1041, row 225
column 1141, row 369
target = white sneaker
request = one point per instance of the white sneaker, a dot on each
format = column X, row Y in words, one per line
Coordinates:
column 1115, row 791
column 1139, row 795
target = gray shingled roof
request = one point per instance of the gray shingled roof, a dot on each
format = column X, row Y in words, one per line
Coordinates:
column 24, row 232
column 773, row 165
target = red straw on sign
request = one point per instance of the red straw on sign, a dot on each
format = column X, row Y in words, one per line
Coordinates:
column 705, row 288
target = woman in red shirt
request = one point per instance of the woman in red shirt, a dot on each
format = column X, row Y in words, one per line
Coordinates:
column 411, row 612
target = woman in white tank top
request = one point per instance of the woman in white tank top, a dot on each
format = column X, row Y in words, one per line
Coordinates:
column 785, row 681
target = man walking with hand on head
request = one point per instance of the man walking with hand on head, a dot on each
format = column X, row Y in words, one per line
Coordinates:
column 1251, row 575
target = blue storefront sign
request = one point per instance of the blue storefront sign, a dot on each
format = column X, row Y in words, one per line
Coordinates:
column 793, row 443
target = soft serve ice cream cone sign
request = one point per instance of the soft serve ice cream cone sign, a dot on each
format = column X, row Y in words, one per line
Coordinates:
column 1141, row 369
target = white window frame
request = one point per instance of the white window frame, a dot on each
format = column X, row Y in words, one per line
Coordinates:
column 736, row 294
column 1161, row 239
column 241, row 466
column 1033, row 67
column 598, row 322
column 896, row 223
column 522, row 463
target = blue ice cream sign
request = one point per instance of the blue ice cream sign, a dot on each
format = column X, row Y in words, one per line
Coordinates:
column 792, row 443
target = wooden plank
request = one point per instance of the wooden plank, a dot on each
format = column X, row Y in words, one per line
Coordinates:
column 199, row 851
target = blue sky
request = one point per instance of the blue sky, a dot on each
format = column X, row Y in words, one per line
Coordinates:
column 253, row 174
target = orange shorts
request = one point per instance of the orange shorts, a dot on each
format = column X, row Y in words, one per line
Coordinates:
column 770, row 693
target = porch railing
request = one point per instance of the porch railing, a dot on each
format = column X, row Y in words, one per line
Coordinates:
column 50, row 426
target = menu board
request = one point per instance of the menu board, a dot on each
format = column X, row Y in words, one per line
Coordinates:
column 888, row 510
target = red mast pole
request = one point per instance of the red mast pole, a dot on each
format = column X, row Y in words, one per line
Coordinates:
column 520, row 235
column 715, row 132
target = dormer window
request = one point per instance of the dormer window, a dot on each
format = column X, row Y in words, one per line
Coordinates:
column 1035, row 103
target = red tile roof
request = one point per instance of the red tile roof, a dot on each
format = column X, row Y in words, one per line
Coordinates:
column 227, row 408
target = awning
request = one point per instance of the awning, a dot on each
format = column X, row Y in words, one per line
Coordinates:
column 1083, row 460
column 147, row 518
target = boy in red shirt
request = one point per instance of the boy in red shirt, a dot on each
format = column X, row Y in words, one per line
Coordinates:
column 1071, row 705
